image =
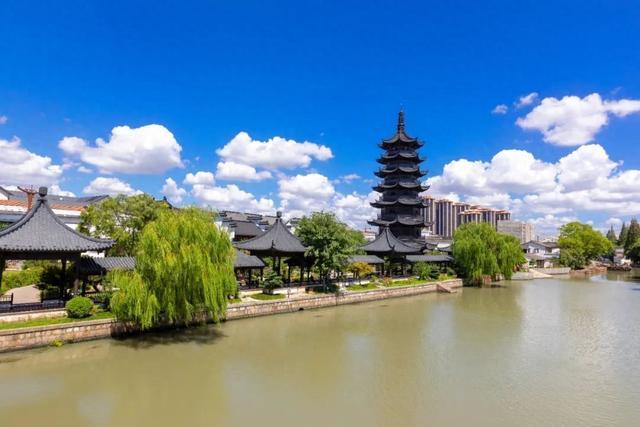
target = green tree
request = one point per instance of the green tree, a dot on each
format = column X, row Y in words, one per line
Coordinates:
column 582, row 244
column 622, row 237
column 184, row 270
column 611, row 235
column 633, row 235
column 330, row 242
column 122, row 219
column 634, row 253
column 360, row 270
column 479, row 250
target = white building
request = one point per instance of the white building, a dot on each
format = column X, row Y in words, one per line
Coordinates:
column 523, row 231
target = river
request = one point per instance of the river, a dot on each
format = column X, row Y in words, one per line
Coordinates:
column 554, row 352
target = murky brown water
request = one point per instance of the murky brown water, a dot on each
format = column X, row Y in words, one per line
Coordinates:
column 538, row 353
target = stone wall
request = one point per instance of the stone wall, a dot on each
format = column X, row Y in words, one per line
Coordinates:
column 241, row 311
column 39, row 336
column 553, row 271
column 32, row 315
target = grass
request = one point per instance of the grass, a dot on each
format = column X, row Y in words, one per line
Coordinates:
column 363, row 287
column 55, row 321
column 267, row 297
column 416, row 281
column 234, row 300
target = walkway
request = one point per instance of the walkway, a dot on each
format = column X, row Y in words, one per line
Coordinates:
column 25, row 295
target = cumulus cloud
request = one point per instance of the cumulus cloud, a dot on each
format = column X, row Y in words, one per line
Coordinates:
column 231, row 197
column 84, row 169
column 56, row 190
column 150, row 149
column 301, row 194
column 274, row 153
column 3, row 119
column 585, row 180
column 525, row 100
column 349, row 178
column 19, row 166
column 172, row 192
column 199, row 178
column 232, row 171
column 354, row 209
column 573, row 120
column 500, row 109
column 109, row 186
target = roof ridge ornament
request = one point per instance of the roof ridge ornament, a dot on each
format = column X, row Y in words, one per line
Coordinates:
column 42, row 192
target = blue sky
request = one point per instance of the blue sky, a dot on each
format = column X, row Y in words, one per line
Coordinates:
column 333, row 74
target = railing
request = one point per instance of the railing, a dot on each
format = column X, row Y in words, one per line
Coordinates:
column 6, row 302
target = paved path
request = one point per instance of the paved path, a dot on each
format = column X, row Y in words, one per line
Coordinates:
column 25, row 294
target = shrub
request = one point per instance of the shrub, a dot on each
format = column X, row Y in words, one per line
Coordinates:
column 271, row 282
column 79, row 307
column 427, row 271
column 17, row 279
column 387, row 281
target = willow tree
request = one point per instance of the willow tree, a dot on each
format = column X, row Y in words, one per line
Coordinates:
column 478, row 251
column 184, row 271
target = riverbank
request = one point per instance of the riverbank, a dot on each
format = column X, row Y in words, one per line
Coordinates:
column 40, row 336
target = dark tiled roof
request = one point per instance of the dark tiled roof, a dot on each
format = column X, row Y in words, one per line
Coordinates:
column 55, row 199
column 40, row 230
column 428, row 258
column 368, row 259
column 247, row 261
column 245, row 228
column 96, row 265
column 387, row 243
column 276, row 239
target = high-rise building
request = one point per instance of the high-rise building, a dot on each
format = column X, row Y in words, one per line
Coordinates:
column 445, row 216
column 523, row 231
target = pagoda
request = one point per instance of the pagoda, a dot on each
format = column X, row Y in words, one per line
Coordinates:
column 399, row 188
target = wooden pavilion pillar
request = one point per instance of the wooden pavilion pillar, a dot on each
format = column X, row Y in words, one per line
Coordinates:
column 2, row 266
column 63, row 278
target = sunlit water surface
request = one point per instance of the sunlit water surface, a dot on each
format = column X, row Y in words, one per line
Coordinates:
column 555, row 352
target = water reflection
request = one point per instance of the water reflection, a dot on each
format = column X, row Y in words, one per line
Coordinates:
column 544, row 352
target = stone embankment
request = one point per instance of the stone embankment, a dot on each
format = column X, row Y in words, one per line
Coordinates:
column 39, row 336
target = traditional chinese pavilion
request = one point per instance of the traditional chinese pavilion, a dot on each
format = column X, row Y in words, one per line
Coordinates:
column 400, row 186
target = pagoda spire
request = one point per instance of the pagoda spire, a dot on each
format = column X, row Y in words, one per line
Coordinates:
column 401, row 121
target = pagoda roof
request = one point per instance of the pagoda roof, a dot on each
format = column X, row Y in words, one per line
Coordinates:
column 101, row 265
column 41, row 231
column 402, row 220
column 405, row 201
column 276, row 239
column 387, row 243
column 367, row 259
column 428, row 258
column 407, row 185
column 407, row 155
column 412, row 170
column 401, row 134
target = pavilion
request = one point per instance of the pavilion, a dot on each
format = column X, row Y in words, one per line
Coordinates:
column 40, row 234
column 277, row 242
column 386, row 244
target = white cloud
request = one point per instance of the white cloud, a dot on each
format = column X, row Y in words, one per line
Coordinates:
column 274, row 153
column 172, row 192
column 84, row 169
column 232, row 171
column 302, row 194
column 349, row 178
column 513, row 171
column 548, row 225
column 525, row 100
column 199, row 178
column 500, row 109
column 56, row 190
column 19, row 166
column 109, row 186
column 354, row 209
column 3, row 119
column 573, row 120
column 231, row 197
column 584, row 180
column 150, row 149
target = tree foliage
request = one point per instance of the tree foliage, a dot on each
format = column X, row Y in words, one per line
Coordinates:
column 611, row 235
column 426, row 271
column 633, row 235
column 634, row 253
column 121, row 218
column 184, row 269
column 361, row 269
column 622, row 237
column 330, row 242
column 479, row 250
column 580, row 244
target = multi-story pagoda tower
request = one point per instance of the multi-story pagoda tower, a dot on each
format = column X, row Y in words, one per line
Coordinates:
column 400, row 204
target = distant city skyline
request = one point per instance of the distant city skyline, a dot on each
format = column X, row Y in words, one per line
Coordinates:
column 257, row 107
